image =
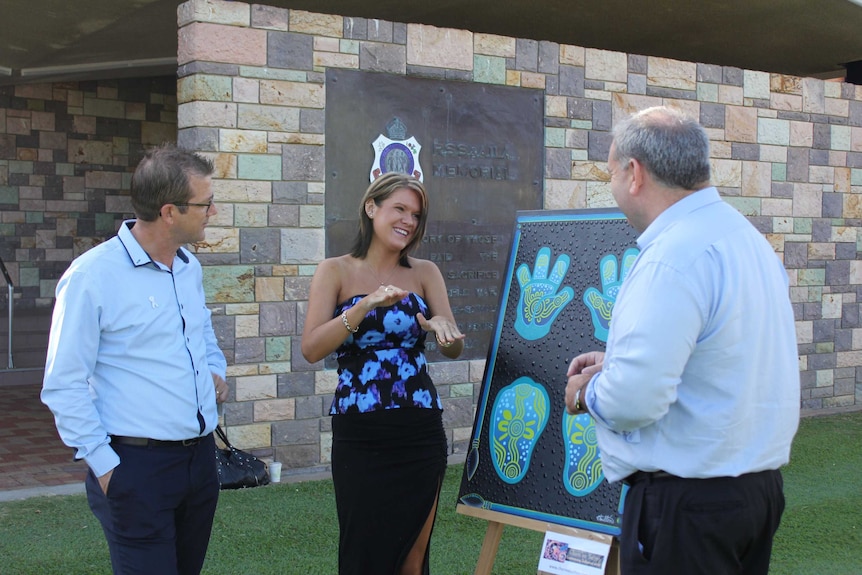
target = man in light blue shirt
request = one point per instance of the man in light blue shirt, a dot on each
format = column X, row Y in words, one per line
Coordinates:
column 696, row 398
column 133, row 372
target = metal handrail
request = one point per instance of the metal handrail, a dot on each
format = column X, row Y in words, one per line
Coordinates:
column 11, row 287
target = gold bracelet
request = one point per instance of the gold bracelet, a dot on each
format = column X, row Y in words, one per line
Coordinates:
column 347, row 323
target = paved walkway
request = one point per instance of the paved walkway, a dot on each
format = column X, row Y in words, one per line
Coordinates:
column 33, row 460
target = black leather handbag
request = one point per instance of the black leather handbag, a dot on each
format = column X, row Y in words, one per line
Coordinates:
column 237, row 468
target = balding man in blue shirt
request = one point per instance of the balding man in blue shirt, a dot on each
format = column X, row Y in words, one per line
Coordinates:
column 696, row 398
column 134, row 372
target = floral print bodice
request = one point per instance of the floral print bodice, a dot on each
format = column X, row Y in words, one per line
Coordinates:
column 382, row 365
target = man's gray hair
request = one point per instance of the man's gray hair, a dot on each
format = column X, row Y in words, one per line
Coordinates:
column 673, row 147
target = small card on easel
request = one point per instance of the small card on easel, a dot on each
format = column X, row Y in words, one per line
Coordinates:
column 569, row 555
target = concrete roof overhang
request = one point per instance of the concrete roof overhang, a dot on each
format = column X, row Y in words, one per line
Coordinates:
column 48, row 40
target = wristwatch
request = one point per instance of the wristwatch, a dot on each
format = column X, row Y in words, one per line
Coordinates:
column 578, row 405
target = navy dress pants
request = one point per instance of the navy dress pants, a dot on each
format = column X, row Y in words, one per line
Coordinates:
column 717, row 526
column 158, row 513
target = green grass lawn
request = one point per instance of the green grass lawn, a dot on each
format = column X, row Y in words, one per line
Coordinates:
column 291, row 529
column 821, row 529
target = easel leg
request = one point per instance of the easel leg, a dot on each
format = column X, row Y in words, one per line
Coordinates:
column 613, row 567
column 489, row 548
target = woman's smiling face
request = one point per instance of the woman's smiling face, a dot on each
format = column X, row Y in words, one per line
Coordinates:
column 396, row 218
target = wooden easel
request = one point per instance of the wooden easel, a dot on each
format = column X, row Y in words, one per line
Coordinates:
column 497, row 520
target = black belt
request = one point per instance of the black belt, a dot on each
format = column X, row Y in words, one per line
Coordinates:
column 639, row 476
column 146, row 442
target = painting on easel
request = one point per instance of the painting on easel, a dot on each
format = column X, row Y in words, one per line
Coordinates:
column 528, row 458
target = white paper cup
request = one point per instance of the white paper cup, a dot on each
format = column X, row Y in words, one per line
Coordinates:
column 275, row 471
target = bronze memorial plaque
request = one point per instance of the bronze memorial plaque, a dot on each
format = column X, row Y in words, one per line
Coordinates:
column 479, row 150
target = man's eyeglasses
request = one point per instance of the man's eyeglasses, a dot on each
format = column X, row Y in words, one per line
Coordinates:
column 207, row 205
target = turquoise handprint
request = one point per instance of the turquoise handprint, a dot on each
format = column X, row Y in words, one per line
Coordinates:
column 583, row 471
column 540, row 302
column 601, row 303
column 521, row 412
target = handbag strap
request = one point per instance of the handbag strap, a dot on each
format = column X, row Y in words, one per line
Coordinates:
column 223, row 436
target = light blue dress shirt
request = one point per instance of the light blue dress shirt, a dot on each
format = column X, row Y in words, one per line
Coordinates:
column 131, row 350
column 701, row 372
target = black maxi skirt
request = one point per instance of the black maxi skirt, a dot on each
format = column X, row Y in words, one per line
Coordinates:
column 387, row 468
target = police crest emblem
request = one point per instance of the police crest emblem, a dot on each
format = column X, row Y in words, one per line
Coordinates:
column 396, row 153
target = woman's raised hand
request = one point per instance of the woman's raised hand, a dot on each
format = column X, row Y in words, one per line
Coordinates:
column 444, row 330
column 386, row 296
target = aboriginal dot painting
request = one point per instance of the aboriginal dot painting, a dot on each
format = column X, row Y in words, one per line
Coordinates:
column 527, row 456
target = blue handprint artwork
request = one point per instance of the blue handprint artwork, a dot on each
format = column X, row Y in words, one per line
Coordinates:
column 541, row 299
column 583, row 471
column 520, row 414
column 601, row 303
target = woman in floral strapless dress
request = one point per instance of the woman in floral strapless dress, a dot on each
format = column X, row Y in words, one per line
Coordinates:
column 389, row 445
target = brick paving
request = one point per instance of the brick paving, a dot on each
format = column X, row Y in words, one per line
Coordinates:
column 31, row 453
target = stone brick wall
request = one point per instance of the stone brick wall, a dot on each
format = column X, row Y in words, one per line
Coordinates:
column 787, row 152
column 67, row 151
